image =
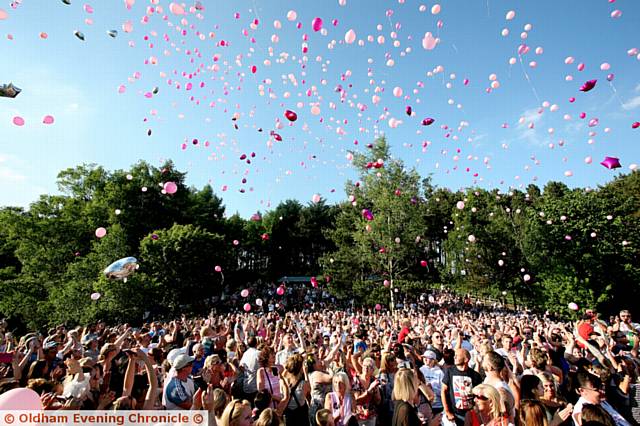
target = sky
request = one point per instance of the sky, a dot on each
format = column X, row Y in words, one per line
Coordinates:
column 178, row 82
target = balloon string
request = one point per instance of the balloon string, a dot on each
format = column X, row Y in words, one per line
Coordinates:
column 615, row 93
column 528, row 78
column 488, row 11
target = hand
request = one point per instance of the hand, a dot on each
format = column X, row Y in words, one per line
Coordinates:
column 197, row 400
column 373, row 386
column 450, row 416
column 49, row 401
column 105, row 399
column 561, row 415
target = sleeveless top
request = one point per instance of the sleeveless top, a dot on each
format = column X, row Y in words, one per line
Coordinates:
column 273, row 383
column 318, row 391
column 297, row 396
column 342, row 413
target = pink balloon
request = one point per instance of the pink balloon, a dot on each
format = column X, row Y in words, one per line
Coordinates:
column 218, row 268
column 350, row 36
column 429, row 42
column 18, row 121
column 280, row 291
column 573, row 306
column 101, row 232
column 435, row 9
column 244, row 293
column 247, row 307
column 88, row 8
column 129, row 3
column 20, row 399
column 127, row 27
column 386, row 283
column 95, row 296
column 510, row 15
column 176, row 9
column 170, row 187
column 460, row 205
column 3, row 14
column 378, row 307
column 315, row 198
column 48, row 119
column 316, row 24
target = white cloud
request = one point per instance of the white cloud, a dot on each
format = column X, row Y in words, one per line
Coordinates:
column 530, row 135
column 632, row 103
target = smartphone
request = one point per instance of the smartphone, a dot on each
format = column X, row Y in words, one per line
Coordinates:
column 6, row 358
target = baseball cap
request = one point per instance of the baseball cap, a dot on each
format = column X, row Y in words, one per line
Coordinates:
column 182, row 361
column 430, row 355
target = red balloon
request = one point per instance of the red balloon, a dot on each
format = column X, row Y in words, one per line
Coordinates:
column 291, row 116
column 635, row 125
column 428, row 121
column 423, row 263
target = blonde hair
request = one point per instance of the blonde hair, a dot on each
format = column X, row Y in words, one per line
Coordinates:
column 493, row 395
column 405, row 385
column 233, row 412
column 205, row 331
column 208, row 362
column 323, row 417
column 341, row 378
column 268, row 417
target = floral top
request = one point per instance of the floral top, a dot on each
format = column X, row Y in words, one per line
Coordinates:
column 365, row 409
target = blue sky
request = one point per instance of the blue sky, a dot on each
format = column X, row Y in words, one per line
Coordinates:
column 77, row 83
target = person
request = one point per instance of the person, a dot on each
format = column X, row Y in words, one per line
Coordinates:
column 552, row 401
column 433, row 375
column 179, row 388
column 340, row 401
column 324, row 418
column 249, row 364
column 217, row 405
column 593, row 414
column 198, row 362
column 531, row 387
column 487, row 410
column 531, row 413
column 269, row 375
column 405, row 393
column 388, row 369
column 289, row 349
column 297, row 411
column 590, row 389
column 457, row 384
column 320, row 384
column 268, row 417
column 237, row 413
column 367, row 394
column 493, row 365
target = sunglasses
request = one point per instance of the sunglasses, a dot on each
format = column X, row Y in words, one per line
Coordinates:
column 480, row 397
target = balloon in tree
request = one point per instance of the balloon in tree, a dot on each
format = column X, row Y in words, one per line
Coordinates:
column 121, row 268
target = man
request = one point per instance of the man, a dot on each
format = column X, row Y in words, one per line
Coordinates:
column 507, row 345
column 289, row 349
column 591, row 391
column 457, row 384
column 46, row 362
column 249, row 363
column 433, row 375
column 626, row 325
column 493, row 364
column 179, row 387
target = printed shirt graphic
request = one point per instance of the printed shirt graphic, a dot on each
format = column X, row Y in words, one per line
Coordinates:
column 462, row 386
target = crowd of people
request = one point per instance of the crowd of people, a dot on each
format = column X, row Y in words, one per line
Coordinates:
column 439, row 361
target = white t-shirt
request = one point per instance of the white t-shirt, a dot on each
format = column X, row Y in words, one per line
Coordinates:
column 577, row 409
column 176, row 392
column 433, row 376
column 250, row 362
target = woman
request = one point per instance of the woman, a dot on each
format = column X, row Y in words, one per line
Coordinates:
column 367, row 394
column 268, row 417
column 340, row 401
column 237, row 413
column 319, row 382
column 531, row 387
column 487, row 408
column 405, row 393
column 550, row 398
column 217, row 405
column 388, row 369
column 268, row 375
column 531, row 413
column 297, row 411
